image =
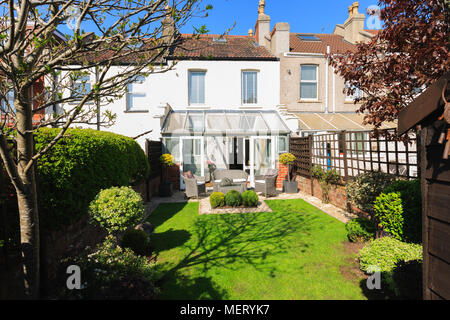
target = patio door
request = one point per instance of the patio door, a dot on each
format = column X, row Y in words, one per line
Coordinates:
column 262, row 156
column 192, row 157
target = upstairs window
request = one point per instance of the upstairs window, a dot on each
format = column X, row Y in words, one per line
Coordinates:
column 249, row 87
column 136, row 96
column 357, row 93
column 196, row 87
column 309, row 82
column 81, row 87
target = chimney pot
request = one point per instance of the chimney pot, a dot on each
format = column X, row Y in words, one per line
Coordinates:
column 250, row 32
column 355, row 7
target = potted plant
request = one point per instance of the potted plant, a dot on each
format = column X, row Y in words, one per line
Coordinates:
column 165, row 188
column 288, row 186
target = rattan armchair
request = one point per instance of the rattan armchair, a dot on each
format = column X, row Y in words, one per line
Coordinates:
column 267, row 184
column 194, row 186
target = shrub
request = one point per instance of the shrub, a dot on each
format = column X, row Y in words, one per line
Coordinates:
column 217, row 199
column 364, row 188
column 407, row 278
column 81, row 164
column 167, row 160
column 250, row 198
column 389, row 212
column 326, row 178
column 233, row 198
column 117, row 209
column 136, row 240
column 386, row 252
column 411, row 200
column 360, row 230
column 111, row 272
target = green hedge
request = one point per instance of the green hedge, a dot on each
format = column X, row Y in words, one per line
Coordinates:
column 360, row 230
column 80, row 165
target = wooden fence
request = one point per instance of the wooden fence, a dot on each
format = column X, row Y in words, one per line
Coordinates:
column 351, row 153
column 153, row 149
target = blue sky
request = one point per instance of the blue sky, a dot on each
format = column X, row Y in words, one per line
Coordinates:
column 313, row 16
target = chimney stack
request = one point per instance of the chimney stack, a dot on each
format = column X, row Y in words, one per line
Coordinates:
column 262, row 27
column 168, row 27
column 354, row 25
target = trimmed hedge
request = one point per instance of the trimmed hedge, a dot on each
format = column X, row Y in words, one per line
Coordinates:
column 360, row 230
column 80, row 165
column 136, row 240
column 217, row 199
column 389, row 212
column 249, row 198
column 233, row 198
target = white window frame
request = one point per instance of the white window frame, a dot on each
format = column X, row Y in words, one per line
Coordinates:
column 80, row 81
column 130, row 94
column 285, row 138
column 190, row 103
column 309, row 81
column 242, row 87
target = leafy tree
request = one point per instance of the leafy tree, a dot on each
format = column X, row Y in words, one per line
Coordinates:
column 32, row 51
column 402, row 60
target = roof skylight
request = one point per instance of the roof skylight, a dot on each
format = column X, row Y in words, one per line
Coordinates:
column 308, row 37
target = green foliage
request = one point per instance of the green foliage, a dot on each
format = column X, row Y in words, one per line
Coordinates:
column 233, row 198
column 111, row 272
column 136, row 240
column 286, row 158
column 117, row 209
column 167, row 160
column 217, row 199
column 80, row 165
column 326, row 178
column 249, row 198
column 407, row 279
column 364, row 188
column 411, row 199
column 385, row 253
column 389, row 212
column 360, row 230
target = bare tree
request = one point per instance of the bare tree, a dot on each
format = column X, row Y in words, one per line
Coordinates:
column 135, row 34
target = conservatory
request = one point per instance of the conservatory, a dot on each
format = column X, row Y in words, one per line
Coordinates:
column 249, row 140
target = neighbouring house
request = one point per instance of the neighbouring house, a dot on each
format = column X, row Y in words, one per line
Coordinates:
column 310, row 90
column 217, row 103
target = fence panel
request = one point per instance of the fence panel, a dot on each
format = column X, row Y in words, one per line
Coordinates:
column 154, row 152
column 301, row 149
column 355, row 152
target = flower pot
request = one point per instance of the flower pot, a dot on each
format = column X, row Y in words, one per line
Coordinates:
column 165, row 189
column 290, row 186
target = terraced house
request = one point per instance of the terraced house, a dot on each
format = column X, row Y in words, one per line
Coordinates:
column 310, row 91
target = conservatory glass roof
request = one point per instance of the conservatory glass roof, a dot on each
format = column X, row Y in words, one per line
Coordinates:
column 220, row 122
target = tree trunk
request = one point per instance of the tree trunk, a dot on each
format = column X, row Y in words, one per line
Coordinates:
column 27, row 198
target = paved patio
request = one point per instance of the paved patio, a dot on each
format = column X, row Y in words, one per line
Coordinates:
column 204, row 206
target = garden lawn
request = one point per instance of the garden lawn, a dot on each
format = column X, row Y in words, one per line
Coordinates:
column 294, row 252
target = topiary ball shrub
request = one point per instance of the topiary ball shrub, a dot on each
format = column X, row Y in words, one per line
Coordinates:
column 117, row 209
column 360, row 230
column 233, row 198
column 250, row 198
column 217, row 199
column 137, row 240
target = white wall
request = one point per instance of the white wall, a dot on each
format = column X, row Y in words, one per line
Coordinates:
column 222, row 91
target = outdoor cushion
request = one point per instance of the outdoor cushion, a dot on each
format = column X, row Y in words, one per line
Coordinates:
column 239, row 180
column 260, row 181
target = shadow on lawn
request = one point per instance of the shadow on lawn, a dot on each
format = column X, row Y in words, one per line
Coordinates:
column 231, row 241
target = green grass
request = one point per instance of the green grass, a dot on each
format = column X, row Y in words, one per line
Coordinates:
column 295, row 252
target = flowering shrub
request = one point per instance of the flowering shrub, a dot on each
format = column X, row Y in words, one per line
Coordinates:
column 286, row 158
column 117, row 209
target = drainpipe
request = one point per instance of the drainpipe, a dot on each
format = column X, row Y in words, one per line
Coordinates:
column 326, row 81
column 334, row 91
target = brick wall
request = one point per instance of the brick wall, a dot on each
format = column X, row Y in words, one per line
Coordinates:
column 282, row 175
